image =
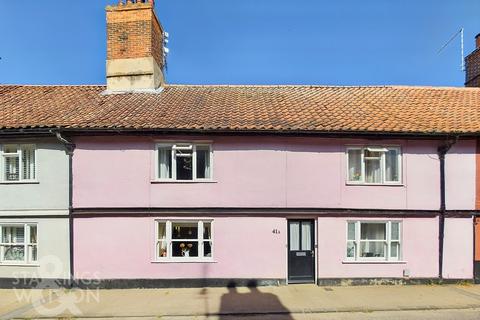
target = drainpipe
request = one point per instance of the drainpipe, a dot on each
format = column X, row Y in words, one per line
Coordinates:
column 442, row 151
column 69, row 148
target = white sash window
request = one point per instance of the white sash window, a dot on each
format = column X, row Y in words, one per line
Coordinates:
column 373, row 240
column 18, row 163
column 18, row 244
column 180, row 240
column 374, row 165
column 184, row 162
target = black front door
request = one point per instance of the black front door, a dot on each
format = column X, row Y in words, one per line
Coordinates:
column 301, row 251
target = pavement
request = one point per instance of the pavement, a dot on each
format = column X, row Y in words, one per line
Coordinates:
column 283, row 303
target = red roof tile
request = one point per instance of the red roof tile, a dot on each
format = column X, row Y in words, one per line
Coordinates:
column 388, row 109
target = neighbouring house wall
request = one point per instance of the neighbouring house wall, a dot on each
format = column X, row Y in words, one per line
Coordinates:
column 50, row 194
column 123, row 248
column 458, row 248
column 268, row 172
column 460, row 176
column 419, row 250
column 53, row 251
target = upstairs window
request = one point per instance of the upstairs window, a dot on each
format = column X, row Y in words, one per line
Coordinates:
column 18, row 244
column 184, row 162
column 374, row 165
column 18, row 163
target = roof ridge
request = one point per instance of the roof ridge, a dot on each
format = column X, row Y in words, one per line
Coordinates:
column 52, row 85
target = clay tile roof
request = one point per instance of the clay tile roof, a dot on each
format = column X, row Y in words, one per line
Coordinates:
column 388, row 109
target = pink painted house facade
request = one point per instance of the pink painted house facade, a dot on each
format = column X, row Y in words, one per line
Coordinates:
column 260, row 193
column 139, row 183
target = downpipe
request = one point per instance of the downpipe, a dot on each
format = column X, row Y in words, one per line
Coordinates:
column 442, row 151
column 69, row 149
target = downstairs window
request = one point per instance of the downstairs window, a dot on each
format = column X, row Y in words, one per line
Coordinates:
column 19, row 244
column 184, row 240
column 372, row 240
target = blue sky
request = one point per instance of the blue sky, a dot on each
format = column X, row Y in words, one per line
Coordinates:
column 334, row 42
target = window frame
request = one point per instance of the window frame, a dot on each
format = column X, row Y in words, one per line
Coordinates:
column 382, row 164
column 388, row 241
column 19, row 154
column 27, row 261
column 194, row 145
column 168, row 239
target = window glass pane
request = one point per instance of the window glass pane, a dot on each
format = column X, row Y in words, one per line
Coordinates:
column 203, row 162
column 10, row 148
column 395, row 231
column 294, row 236
column 207, row 230
column 350, row 249
column 373, row 171
column 354, row 165
column 13, row 234
column 306, row 236
column 184, row 230
column 28, row 163
column 33, row 253
column 373, row 231
column 12, row 168
column 184, row 249
column 165, row 162
column 391, row 166
column 394, row 249
column 184, row 164
column 33, row 234
column 351, row 231
column 372, row 155
column 207, row 249
column 14, row 253
column 369, row 249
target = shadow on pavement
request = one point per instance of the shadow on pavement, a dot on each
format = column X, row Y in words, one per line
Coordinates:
column 252, row 302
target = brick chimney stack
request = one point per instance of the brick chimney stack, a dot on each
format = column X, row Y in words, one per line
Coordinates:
column 135, row 54
column 472, row 64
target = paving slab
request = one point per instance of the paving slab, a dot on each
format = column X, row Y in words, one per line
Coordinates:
column 289, row 302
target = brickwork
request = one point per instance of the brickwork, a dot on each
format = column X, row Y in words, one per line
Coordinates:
column 472, row 64
column 133, row 31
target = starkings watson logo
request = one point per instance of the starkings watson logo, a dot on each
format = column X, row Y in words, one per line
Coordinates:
column 47, row 293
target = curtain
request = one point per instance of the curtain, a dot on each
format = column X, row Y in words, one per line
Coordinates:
column 373, row 171
column 162, row 239
column 354, row 165
column 391, row 166
column 373, row 231
column 164, row 162
column 306, row 236
column 294, row 236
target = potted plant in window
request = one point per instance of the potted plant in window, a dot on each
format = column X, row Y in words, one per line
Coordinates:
column 185, row 249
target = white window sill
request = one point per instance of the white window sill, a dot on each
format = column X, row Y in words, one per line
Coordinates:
column 183, row 181
column 375, row 184
column 3, row 264
column 20, row 182
column 373, row 262
column 199, row 260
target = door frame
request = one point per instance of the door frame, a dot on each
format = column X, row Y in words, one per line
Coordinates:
column 315, row 244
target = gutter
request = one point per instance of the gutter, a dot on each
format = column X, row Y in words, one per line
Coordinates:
column 69, row 149
column 442, row 151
